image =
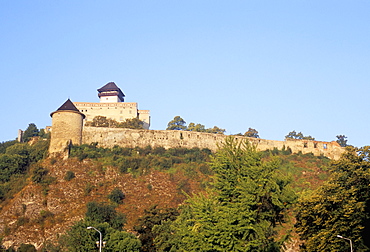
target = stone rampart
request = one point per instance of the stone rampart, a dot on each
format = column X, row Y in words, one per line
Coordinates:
column 109, row 137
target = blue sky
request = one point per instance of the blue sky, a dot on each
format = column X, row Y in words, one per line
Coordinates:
column 275, row 66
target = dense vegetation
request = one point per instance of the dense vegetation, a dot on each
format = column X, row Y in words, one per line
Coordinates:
column 16, row 160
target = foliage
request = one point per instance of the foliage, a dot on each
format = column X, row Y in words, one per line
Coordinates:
column 122, row 241
column 102, row 121
column 342, row 140
column 137, row 160
column 252, row 133
column 134, row 123
column 116, row 196
column 26, row 248
column 177, row 123
column 105, row 219
column 6, row 144
column 339, row 207
column 294, row 135
column 69, row 175
column 101, row 212
column 216, row 130
column 30, row 132
column 152, row 217
column 242, row 210
column 196, row 127
column 11, row 165
column 39, row 174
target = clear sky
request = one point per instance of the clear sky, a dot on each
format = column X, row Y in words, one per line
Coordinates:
column 275, row 66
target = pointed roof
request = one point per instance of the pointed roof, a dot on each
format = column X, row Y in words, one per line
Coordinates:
column 109, row 87
column 68, row 106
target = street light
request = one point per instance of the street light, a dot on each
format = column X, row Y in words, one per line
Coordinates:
column 100, row 240
column 350, row 241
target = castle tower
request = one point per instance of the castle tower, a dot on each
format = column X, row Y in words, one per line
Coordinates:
column 66, row 128
column 111, row 93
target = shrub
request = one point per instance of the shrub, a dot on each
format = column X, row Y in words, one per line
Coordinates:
column 101, row 212
column 39, row 174
column 69, row 175
column 27, row 248
column 116, row 196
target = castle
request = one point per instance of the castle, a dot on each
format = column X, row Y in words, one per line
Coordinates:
column 68, row 127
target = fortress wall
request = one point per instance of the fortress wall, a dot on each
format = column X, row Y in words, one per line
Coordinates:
column 109, row 137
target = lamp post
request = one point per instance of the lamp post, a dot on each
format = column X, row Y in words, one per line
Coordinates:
column 100, row 240
column 350, row 241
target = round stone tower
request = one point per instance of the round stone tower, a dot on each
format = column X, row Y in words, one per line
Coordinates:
column 66, row 128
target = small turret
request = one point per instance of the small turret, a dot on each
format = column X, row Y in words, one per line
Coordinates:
column 66, row 129
column 111, row 93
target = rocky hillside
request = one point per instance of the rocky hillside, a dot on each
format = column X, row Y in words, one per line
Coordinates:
column 41, row 213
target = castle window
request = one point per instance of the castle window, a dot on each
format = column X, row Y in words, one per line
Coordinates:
column 305, row 145
column 325, row 146
column 315, row 145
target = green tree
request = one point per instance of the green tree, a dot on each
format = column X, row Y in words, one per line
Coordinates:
column 30, row 132
column 252, row 133
column 241, row 212
column 101, row 212
column 216, row 130
column 339, row 207
column 176, row 124
column 342, row 140
column 121, row 241
column 196, row 127
column 152, row 217
column 104, row 218
column 294, row 135
column 116, row 196
column 102, row 121
column 134, row 123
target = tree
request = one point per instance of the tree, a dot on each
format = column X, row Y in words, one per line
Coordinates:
column 216, row 130
column 102, row 121
column 294, row 135
column 339, row 207
column 30, row 132
column 116, row 196
column 342, row 141
column 152, row 217
column 176, row 124
column 252, row 133
column 104, row 218
column 241, row 212
column 133, row 123
column 101, row 212
column 196, row 127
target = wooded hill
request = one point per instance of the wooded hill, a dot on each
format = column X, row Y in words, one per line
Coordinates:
column 153, row 199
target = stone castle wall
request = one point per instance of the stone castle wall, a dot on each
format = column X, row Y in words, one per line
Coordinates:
column 109, row 137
